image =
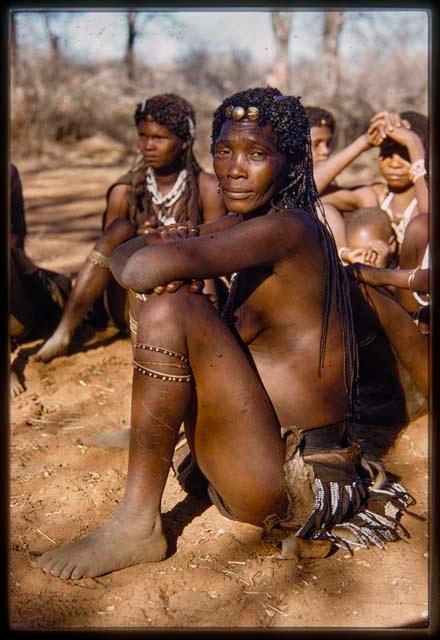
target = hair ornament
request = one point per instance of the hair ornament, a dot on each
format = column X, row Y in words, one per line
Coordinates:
column 239, row 113
column 144, row 103
column 191, row 126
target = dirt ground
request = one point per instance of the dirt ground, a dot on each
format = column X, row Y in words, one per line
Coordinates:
column 219, row 574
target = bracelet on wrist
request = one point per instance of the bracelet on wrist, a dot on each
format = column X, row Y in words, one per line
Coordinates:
column 417, row 170
column 411, row 277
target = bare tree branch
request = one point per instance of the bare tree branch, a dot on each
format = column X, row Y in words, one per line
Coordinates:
column 333, row 21
column 281, row 23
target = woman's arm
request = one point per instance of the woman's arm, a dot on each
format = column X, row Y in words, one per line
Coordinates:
column 260, row 241
column 411, row 279
column 123, row 253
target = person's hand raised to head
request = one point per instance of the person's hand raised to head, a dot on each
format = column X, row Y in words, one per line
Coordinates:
column 383, row 124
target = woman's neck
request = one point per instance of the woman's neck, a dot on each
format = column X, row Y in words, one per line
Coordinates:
column 402, row 197
column 168, row 175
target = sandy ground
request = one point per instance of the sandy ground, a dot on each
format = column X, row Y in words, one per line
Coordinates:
column 219, row 574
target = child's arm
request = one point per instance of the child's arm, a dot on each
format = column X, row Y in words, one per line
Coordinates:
column 326, row 170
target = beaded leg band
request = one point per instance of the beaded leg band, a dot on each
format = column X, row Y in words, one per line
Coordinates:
column 99, row 259
column 141, row 367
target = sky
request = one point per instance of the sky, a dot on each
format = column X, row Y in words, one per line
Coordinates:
column 101, row 35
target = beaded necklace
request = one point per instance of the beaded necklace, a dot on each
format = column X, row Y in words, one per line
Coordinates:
column 165, row 202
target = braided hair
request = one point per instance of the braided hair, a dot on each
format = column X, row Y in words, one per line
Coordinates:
column 318, row 117
column 175, row 113
column 289, row 122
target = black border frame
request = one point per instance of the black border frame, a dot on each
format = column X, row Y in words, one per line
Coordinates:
column 434, row 550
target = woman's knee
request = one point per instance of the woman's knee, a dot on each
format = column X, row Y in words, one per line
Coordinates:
column 172, row 311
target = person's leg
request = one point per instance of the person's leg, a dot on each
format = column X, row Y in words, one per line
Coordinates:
column 231, row 427
column 410, row 346
column 21, row 318
column 22, row 315
column 93, row 278
column 119, row 438
column 117, row 305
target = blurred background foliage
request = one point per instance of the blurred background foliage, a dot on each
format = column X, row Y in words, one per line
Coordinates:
column 358, row 63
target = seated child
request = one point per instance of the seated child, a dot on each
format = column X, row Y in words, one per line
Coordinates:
column 370, row 239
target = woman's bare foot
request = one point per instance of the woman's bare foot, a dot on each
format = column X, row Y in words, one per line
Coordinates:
column 57, row 345
column 16, row 387
column 117, row 545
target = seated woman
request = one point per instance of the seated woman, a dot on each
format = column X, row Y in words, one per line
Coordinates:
column 166, row 186
column 265, row 391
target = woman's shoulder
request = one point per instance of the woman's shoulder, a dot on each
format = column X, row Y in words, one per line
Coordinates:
column 294, row 219
column 206, row 180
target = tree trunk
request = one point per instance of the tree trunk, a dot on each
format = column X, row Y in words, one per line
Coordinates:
column 129, row 52
column 14, row 46
column 333, row 21
column 14, row 50
column 54, row 43
column 281, row 28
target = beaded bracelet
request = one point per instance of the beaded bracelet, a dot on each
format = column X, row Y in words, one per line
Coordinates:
column 411, row 277
column 99, row 259
column 417, row 170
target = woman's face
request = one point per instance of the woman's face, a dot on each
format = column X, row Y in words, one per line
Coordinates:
column 248, row 165
column 321, row 142
column 395, row 170
column 159, row 145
